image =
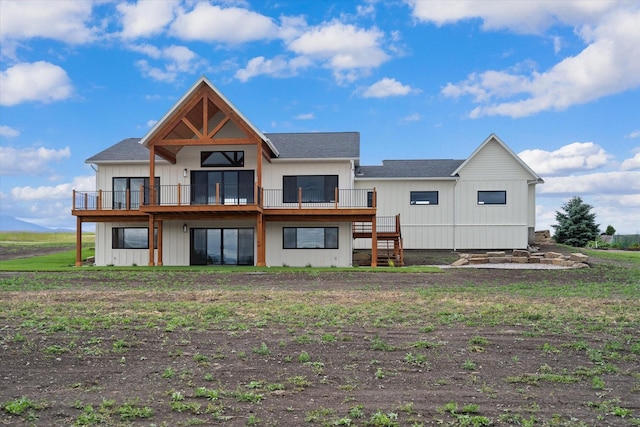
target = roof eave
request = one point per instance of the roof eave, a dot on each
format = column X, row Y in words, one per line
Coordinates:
column 204, row 80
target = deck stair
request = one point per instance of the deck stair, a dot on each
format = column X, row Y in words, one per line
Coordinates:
column 389, row 236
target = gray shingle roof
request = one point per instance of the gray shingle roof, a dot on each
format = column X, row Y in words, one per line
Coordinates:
column 317, row 145
column 127, row 150
column 411, row 169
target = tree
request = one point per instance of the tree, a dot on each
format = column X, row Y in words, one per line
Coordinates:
column 610, row 230
column 576, row 225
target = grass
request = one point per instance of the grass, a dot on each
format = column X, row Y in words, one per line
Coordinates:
column 50, row 239
column 89, row 313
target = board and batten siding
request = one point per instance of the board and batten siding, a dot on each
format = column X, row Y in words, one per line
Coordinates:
column 278, row 256
column 493, row 162
column 422, row 226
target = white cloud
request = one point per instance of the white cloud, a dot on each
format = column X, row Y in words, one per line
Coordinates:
column 180, row 60
column 276, row 67
column 38, row 81
column 64, row 20
column 8, row 132
column 578, row 156
column 16, row 161
column 146, row 17
column 609, row 64
column 415, row 117
column 307, row 116
column 60, row 191
column 385, row 88
column 521, row 17
column 619, row 183
column 347, row 50
column 634, row 134
column 231, row 25
column 632, row 163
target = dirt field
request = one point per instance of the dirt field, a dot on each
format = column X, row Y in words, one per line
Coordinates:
column 463, row 347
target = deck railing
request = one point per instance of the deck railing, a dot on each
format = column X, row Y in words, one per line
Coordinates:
column 187, row 195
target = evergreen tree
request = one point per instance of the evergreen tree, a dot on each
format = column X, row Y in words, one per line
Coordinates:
column 576, row 225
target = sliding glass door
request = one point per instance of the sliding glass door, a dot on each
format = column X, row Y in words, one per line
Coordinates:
column 234, row 187
column 222, row 246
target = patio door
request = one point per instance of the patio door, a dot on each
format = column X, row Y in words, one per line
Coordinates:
column 222, row 246
column 235, row 187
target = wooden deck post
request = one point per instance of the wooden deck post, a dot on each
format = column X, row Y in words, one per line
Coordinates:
column 99, row 207
column 260, row 241
column 78, row 241
column 374, row 242
column 150, row 242
column 159, row 242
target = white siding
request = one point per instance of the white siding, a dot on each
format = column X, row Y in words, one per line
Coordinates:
column 277, row 256
column 422, row 226
column 494, row 162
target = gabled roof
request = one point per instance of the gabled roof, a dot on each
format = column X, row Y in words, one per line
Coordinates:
column 320, row 145
column 494, row 137
column 126, row 151
column 439, row 168
column 317, row 145
column 177, row 110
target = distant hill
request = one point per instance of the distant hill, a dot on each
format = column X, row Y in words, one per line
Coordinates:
column 9, row 223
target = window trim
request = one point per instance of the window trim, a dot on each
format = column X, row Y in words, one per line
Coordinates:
column 133, row 192
column 291, row 183
column 116, row 239
column 414, row 201
column 235, row 159
column 326, row 238
column 487, row 192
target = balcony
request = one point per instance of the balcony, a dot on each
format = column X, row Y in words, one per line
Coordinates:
column 186, row 198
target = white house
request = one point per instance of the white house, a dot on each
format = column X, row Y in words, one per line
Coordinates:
column 216, row 190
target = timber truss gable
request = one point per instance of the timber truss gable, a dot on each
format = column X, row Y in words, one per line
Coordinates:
column 203, row 117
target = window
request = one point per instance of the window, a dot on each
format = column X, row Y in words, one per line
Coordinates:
column 315, row 188
column 424, row 198
column 310, row 237
column 133, row 238
column 121, row 185
column 217, row 159
column 235, row 187
column 492, row 197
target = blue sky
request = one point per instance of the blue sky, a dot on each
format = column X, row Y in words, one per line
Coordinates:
column 558, row 81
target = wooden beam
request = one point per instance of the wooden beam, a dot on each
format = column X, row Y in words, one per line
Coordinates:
column 192, row 127
column 78, row 242
column 217, row 128
column 150, row 242
column 261, row 236
column 159, row 242
column 164, row 153
column 374, row 243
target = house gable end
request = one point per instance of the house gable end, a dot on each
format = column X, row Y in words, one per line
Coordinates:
column 203, row 116
column 481, row 164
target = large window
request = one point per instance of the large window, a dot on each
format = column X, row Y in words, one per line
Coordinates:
column 424, row 198
column 217, row 159
column 132, row 238
column 315, row 188
column 133, row 185
column 222, row 246
column 492, row 197
column 234, row 187
column 310, row 237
